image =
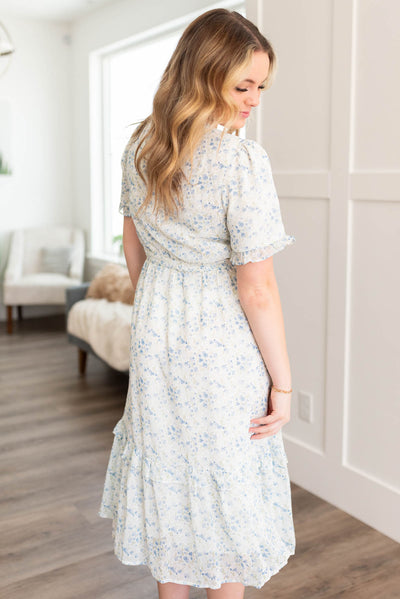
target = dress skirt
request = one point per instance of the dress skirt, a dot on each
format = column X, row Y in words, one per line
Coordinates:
column 189, row 493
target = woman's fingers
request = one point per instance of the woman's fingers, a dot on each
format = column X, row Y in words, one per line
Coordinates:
column 268, row 425
column 258, row 437
column 264, row 431
column 265, row 420
column 270, row 419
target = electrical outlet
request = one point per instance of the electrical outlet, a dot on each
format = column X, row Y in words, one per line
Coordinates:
column 305, row 402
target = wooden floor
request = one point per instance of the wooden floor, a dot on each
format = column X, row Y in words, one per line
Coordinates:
column 55, row 438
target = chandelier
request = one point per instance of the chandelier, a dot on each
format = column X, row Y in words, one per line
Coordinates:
column 6, row 49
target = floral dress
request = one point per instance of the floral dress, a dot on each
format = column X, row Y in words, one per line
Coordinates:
column 190, row 495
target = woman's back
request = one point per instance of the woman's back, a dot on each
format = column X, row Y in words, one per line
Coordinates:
column 230, row 207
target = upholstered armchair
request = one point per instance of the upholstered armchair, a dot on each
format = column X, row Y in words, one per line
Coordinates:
column 43, row 262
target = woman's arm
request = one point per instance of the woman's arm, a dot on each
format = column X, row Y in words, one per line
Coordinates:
column 260, row 300
column 134, row 253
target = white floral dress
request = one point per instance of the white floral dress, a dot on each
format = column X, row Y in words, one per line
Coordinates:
column 190, row 495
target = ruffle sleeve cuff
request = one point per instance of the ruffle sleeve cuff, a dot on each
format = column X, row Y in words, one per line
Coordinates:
column 258, row 254
column 124, row 209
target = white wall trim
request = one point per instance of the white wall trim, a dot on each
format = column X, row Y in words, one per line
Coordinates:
column 343, row 487
column 375, row 185
column 320, row 463
column 303, row 184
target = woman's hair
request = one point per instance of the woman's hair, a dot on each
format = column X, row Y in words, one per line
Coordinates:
column 194, row 95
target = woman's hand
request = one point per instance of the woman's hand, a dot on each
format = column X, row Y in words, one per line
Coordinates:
column 278, row 415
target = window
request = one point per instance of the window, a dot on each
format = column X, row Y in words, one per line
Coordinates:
column 132, row 78
column 124, row 79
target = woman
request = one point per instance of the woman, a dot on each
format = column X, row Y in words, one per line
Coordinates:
column 197, row 483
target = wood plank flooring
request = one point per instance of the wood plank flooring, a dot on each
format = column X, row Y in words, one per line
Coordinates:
column 55, row 438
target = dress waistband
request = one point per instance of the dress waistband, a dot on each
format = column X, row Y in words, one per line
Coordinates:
column 169, row 262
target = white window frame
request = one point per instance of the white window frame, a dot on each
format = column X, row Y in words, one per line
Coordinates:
column 99, row 111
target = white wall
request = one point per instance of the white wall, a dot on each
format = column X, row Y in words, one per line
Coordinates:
column 37, row 88
column 331, row 126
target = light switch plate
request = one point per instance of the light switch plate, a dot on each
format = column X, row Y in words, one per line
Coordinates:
column 305, row 403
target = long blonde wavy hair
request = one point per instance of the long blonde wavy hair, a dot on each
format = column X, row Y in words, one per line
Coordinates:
column 193, row 97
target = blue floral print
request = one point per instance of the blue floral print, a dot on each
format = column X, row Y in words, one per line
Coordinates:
column 190, row 494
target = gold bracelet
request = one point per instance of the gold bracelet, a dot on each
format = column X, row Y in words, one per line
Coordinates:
column 282, row 390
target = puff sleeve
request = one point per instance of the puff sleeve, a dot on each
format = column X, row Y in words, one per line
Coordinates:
column 254, row 218
column 126, row 184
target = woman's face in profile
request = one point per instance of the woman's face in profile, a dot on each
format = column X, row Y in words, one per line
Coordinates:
column 246, row 92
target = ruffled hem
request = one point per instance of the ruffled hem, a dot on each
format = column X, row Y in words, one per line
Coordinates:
column 258, row 254
column 200, row 526
column 160, row 575
column 126, row 454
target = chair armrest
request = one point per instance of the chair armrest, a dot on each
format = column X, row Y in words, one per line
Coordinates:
column 75, row 294
column 78, row 256
column 14, row 266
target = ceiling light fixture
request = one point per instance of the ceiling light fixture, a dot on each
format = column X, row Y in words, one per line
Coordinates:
column 7, row 48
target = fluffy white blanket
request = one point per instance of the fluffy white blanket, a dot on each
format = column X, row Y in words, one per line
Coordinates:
column 106, row 326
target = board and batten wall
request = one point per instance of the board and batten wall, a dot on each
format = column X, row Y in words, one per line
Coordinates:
column 331, row 126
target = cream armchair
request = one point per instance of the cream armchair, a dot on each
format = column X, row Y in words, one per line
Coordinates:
column 42, row 263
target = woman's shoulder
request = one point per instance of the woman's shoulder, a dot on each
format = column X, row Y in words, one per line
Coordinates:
column 241, row 148
column 251, row 151
column 242, row 153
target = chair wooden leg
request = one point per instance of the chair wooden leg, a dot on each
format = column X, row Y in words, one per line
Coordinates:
column 9, row 320
column 19, row 309
column 82, row 355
